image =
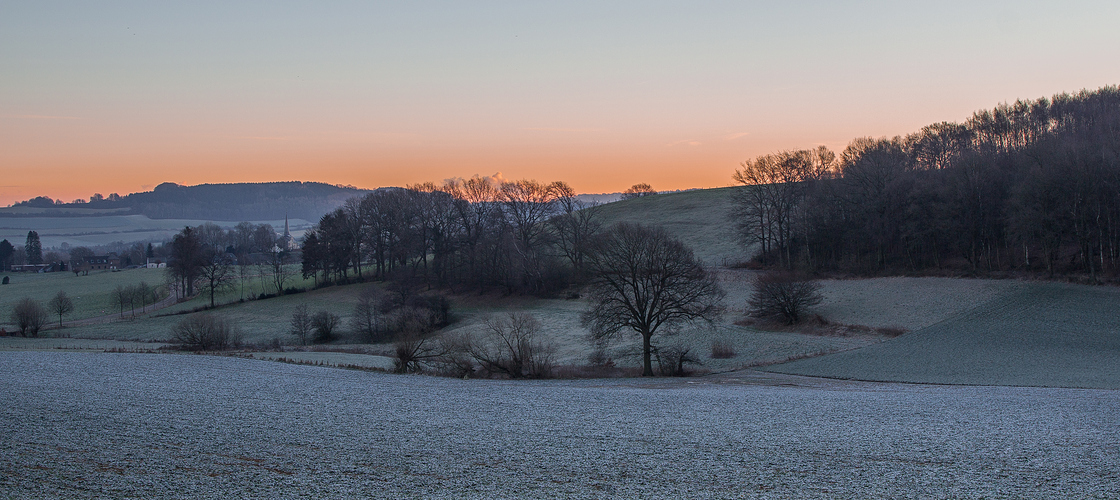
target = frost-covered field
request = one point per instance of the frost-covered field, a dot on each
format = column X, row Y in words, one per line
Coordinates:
column 180, row 426
column 1042, row 334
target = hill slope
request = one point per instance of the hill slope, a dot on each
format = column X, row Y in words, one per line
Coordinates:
column 699, row 218
column 1042, row 334
column 215, row 202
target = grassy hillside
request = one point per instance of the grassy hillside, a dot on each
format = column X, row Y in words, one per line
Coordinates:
column 91, row 294
column 699, row 218
column 1040, row 334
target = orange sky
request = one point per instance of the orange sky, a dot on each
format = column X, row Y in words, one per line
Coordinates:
column 103, row 99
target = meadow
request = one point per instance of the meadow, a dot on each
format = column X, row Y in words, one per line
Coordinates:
column 1035, row 334
column 701, row 218
column 92, row 295
column 972, row 331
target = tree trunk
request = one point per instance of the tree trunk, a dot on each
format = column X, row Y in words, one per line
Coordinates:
column 647, row 365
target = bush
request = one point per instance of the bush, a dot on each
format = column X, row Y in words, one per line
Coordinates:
column 782, row 295
column 204, row 332
column 721, row 349
column 380, row 315
column 671, row 360
column 510, row 346
column 30, row 317
column 325, row 324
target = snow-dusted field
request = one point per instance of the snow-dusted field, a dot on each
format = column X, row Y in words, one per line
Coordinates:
column 181, row 426
column 1040, row 334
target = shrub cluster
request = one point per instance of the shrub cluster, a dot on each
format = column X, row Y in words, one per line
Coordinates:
column 204, row 332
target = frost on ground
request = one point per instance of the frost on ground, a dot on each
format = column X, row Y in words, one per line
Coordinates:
column 180, row 426
column 1037, row 334
column 909, row 303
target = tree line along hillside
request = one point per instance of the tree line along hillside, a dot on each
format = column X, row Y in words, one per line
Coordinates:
column 220, row 202
column 1029, row 186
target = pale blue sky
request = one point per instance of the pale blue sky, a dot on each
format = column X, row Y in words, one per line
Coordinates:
column 602, row 94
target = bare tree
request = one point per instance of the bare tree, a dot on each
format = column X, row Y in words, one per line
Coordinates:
column 413, row 351
column 783, row 295
column 368, row 319
column 642, row 280
column 146, row 294
column 281, row 272
column 121, row 297
column 217, row 273
column 324, row 324
column 301, row 324
column 510, row 345
column 61, row 304
column 29, row 316
column 638, row 190
column 577, row 223
column 774, row 185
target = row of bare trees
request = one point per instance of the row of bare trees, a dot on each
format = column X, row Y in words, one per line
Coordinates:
column 520, row 236
column 214, row 258
column 1033, row 185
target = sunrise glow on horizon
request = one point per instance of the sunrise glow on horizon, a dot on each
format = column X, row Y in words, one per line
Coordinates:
column 122, row 96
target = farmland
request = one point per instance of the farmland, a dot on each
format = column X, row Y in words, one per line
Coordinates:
column 92, row 295
column 196, row 426
column 1038, row 334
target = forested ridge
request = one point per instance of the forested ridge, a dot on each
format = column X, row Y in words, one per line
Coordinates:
column 1029, row 186
column 221, row 202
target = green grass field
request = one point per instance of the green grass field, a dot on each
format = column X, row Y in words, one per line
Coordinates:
column 92, row 295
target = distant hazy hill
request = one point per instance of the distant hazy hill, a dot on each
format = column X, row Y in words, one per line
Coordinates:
column 236, row 202
column 219, row 202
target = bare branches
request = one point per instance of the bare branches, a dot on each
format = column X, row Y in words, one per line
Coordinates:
column 643, row 280
column 783, row 295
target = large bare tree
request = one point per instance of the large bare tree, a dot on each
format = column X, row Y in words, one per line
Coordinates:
column 644, row 281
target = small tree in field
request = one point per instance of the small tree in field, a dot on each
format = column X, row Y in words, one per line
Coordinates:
column 783, row 295
column 29, row 317
column 61, row 305
column 301, row 324
column 325, row 324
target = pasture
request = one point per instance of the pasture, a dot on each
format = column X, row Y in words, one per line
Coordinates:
column 92, row 295
column 1033, row 334
column 80, row 425
column 700, row 218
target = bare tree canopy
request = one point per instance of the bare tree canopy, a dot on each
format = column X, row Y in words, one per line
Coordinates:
column 773, row 187
column 783, row 295
column 643, row 280
column 29, row 316
column 61, row 305
column 638, row 190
